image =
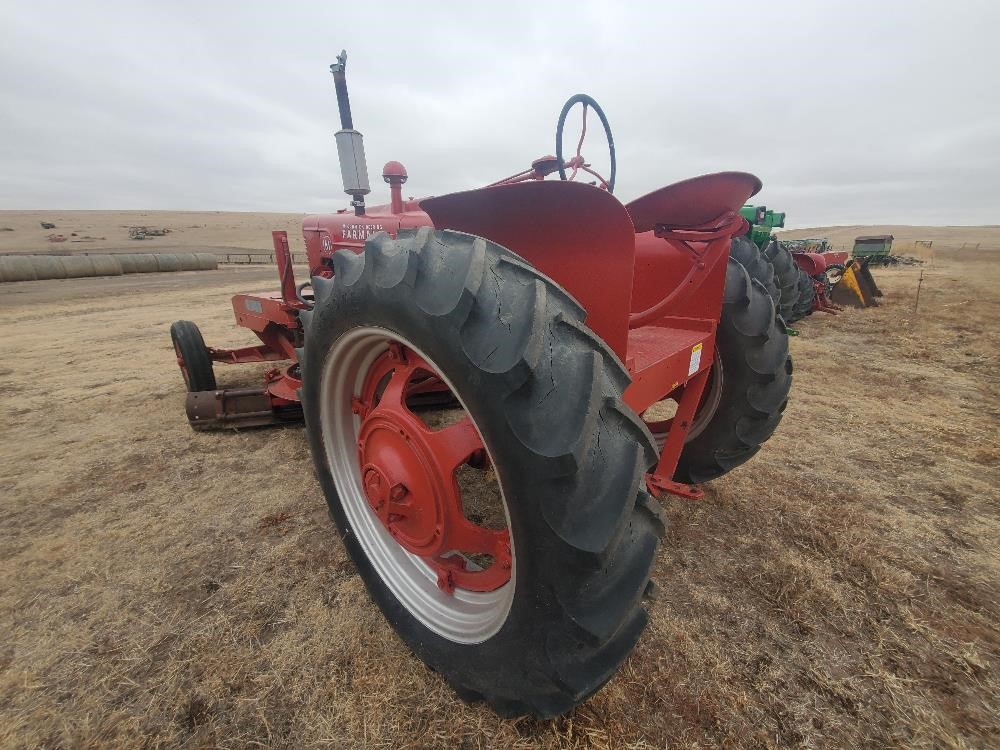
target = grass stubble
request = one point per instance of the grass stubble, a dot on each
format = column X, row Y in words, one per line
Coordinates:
column 164, row 588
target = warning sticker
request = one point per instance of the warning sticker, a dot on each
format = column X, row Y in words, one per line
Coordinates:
column 695, row 362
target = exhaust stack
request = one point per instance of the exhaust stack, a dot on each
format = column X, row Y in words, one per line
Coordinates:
column 350, row 143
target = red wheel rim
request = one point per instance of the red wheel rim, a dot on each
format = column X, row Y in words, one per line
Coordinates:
column 710, row 398
column 182, row 364
column 408, row 474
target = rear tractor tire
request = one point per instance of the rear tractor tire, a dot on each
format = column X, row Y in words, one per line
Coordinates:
column 748, row 255
column 786, row 276
column 192, row 356
column 807, row 296
column 747, row 389
column 532, row 614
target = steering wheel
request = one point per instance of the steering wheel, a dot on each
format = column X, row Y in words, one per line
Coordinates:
column 578, row 162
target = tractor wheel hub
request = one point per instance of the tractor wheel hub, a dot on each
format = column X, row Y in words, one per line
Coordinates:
column 403, row 487
column 408, row 477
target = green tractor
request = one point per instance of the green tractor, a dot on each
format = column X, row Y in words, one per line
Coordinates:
column 770, row 262
column 763, row 221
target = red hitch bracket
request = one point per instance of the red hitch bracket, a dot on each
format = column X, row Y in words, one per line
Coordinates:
column 658, row 486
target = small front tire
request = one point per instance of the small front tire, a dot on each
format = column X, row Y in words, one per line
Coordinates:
column 192, row 356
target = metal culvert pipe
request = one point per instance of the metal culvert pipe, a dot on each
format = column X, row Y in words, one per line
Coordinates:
column 38, row 267
column 78, row 266
column 127, row 261
column 166, row 262
column 188, row 261
column 48, row 267
column 18, row 268
column 145, row 263
column 106, row 265
column 207, row 261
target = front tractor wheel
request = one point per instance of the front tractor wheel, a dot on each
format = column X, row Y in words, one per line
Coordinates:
column 508, row 539
column 192, row 356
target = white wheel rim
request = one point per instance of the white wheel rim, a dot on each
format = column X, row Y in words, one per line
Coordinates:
column 462, row 617
column 712, row 399
column 704, row 415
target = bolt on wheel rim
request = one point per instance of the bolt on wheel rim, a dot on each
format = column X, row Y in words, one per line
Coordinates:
column 396, row 480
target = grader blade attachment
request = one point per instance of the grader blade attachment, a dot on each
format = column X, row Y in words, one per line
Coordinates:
column 856, row 287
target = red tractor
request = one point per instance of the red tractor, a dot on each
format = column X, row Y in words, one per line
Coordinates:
column 496, row 385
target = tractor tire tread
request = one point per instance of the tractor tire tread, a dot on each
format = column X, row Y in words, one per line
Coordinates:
column 786, row 277
column 748, row 255
column 806, row 295
column 198, row 362
column 757, row 377
column 546, row 393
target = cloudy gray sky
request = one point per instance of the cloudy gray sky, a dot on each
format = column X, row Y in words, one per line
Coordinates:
column 850, row 112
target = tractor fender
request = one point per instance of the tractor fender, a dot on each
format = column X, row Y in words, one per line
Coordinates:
column 812, row 263
column 578, row 235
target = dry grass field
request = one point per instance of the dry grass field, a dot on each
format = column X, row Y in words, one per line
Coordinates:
column 101, row 231
column 162, row 588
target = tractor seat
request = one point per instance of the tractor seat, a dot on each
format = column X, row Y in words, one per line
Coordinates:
column 693, row 202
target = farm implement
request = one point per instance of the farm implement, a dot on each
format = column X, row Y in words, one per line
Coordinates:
column 496, row 386
column 837, row 279
column 763, row 221
column 853, row 284
column 802, row 276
